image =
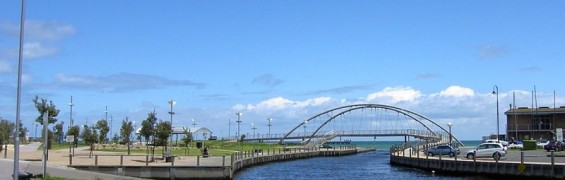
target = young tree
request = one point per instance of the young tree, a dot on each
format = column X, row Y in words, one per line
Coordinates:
column 187, row 139
column 148, row 131
column 23, row 133
column 42, row 106
column 103, row 129
column 6, row 130
column 125, row 131
column 74, row 131
column 116, row 138
column 163, row 133
column 90, row 137
column 58, row 130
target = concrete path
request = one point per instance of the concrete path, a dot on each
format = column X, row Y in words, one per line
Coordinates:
column 35, row 167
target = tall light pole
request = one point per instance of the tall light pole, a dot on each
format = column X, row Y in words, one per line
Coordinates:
column 269, row 124
column 172, row 103
column 71, row 114
column 238, row 133
column 449, row 124
column 254, row 128
column 70, row 123
column 229, row 128
column 495, row 91
column 19, row 95
column 106, row 118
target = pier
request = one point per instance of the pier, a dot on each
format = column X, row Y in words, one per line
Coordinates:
column 516, row 164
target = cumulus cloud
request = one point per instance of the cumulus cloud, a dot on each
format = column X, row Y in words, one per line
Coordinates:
column 457, row 91
column 394, row 95
column 278, row 103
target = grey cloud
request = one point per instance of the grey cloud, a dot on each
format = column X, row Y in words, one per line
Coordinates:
column 492, row 52
column 267, row 79
column 428, row 76
column 341, row 90
column 531, row 69
column 120, row 82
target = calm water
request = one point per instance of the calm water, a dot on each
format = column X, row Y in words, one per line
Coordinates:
column 371, row 165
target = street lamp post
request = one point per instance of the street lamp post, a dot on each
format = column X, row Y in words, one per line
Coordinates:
column 229, row 128
column 495, row 91
column 172, row 103
column 449, row 124
column 254, row 128
column 238, row 124
column 106, row 119
column 71, row 124
column 269, row 124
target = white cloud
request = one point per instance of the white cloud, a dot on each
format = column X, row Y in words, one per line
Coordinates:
column 395, row 95
column 40, row 30
column 37, row 50
column 457, row 91
column 5, row 67
column 279, row 103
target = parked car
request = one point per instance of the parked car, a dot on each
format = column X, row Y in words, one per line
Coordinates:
column 553, row 146
column 443, row 150
column 494, row 150
column 516, row 145
column 504, row 143
column 541, row 144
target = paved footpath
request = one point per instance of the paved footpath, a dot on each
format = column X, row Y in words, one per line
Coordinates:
column 35, row 167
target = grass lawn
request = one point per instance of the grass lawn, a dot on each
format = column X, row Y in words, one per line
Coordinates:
column 65, row 145
column 216, row 148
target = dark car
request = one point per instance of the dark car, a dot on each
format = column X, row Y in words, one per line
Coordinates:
column 553, row 146
column 443, row 150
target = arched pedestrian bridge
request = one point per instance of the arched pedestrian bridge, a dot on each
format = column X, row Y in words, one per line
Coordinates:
column 364, row 120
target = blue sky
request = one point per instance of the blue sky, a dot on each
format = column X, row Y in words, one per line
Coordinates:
column 288, row 60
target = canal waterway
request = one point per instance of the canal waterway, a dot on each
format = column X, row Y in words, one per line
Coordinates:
column 371, row 165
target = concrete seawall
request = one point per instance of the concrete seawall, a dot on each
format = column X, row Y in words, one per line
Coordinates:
column 481, row 167
column 238, row 162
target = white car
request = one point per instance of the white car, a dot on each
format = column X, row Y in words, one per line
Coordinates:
column 504, row 143
column 494, row 150
column 542, row 144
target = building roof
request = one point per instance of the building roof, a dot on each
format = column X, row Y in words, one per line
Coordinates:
column 538, row 111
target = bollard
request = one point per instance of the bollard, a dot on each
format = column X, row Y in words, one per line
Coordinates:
column 223, row 160
column 70, row 159
column 553, row 163
column 121, row 160
column 522, row 157
column 96, row 160
column 146, row 160
column 197, row 160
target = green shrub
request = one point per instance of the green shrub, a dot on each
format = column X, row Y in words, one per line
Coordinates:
column 530, row 145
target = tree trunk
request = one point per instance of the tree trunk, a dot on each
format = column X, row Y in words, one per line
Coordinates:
column 128, row 144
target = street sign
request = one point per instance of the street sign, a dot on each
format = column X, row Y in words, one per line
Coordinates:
column 559, row 134
column 70, row 138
